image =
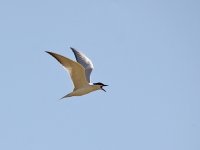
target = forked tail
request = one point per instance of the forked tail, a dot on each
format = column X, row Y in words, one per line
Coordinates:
column 68, row 95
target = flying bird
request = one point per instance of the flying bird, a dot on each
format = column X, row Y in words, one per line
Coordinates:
column 79, row 72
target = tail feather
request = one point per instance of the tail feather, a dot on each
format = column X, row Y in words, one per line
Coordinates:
column 68, row 95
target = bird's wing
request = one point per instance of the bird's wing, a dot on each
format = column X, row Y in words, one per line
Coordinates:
column 76, row 71
column 84, row 61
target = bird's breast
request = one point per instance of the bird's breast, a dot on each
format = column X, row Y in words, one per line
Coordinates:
column 84, row 90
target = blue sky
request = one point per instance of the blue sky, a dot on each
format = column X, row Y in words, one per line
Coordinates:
column 146, row 51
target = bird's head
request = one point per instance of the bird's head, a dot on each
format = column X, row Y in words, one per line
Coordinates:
column 100, row 85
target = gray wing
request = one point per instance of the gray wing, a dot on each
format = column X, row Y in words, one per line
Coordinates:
column 85, row 62
column 76, row 71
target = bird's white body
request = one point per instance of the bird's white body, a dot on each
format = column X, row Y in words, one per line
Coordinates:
column 80, row 73
column 84, row 90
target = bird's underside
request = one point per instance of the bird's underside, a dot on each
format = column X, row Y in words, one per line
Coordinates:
column 79, row 71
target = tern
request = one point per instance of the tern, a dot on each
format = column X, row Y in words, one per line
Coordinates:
column 79, row 72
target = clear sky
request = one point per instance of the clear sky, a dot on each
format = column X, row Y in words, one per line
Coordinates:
column 148, row 52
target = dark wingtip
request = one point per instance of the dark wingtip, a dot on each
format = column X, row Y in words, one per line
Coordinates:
column 51, row 53
column 48, row 52
column 73, row 49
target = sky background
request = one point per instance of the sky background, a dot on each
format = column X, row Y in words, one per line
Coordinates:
column 148, row 52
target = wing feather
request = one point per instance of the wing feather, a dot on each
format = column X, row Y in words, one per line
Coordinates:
column 84, row 61
column 76, row 71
